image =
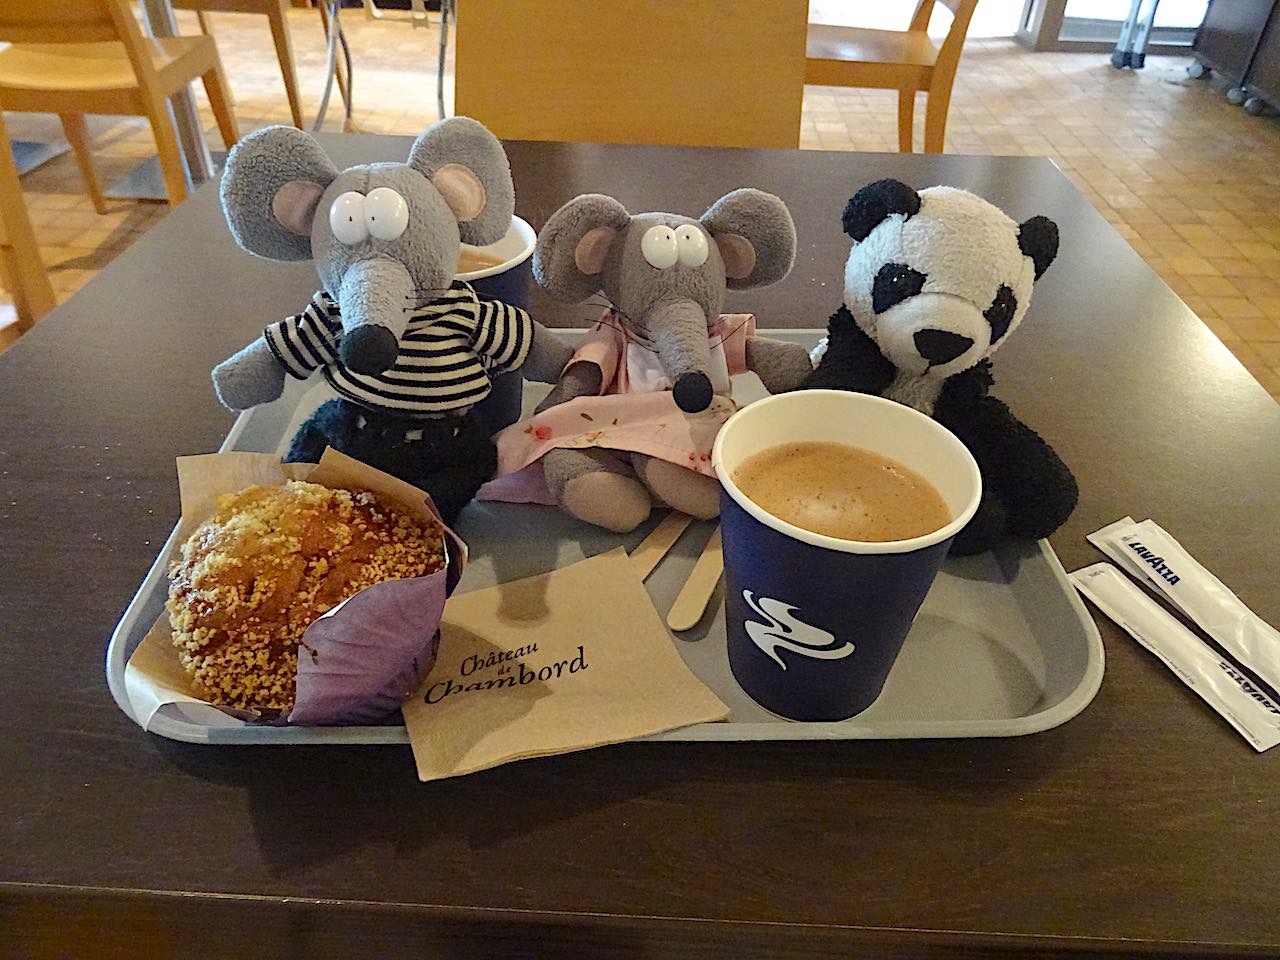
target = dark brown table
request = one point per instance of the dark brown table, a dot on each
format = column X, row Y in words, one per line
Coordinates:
column 1143, row 826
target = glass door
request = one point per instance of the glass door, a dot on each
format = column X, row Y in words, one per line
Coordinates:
column 1099, row 20
column 1095, row 24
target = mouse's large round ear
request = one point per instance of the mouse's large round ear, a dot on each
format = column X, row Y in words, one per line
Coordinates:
column 467, row 164
column 1038, row 239
column 272, row 182
column 574, row 244
column 875, row 203
column 755, row 235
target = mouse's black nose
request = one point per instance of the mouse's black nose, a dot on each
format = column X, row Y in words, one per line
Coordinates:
column 368, row 349
column 940, row 346
column 693, row 392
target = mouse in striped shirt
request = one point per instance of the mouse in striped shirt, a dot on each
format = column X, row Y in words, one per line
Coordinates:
column 448, row 353
column 408, row 349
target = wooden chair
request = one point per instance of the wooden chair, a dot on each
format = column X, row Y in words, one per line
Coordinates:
column 276, row 12
column 698, row 72
column 23, row 272
column 73, row 57
column 908, row 62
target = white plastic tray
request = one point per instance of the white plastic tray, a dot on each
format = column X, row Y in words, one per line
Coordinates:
column 1002, row 647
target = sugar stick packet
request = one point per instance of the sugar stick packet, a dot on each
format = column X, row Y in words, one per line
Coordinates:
column 1214, row 678
column 1152, row 555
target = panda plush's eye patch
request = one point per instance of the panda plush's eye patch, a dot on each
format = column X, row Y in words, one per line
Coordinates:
column 1000, row 313
column 894, row 283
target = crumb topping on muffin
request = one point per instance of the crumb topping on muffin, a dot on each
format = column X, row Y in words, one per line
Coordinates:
column 270, row 561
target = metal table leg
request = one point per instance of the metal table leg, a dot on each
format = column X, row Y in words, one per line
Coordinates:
column 1139, row 56
column 146, row 182
column 1131, row 48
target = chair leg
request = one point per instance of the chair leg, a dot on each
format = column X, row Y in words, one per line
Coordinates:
column 284, row 52
column 20, row 263
column 344, row 84
column 28, row 285
column 935, row 118
column 215, row 86
column 171, row 164
column 74, row 129
column 906, row 120
column 205, row 27
column 22, row 271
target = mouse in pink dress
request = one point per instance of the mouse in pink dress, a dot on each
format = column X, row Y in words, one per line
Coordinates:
column 634, row 414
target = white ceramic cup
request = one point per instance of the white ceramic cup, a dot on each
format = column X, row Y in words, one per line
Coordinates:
column 515, row 247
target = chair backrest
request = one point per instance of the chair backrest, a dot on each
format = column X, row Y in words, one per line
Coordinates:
column 961, row 14
column 704, row 74
column 65, row 21
column 924, row 10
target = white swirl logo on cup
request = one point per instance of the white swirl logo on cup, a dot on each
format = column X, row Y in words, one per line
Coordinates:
column 786, row 632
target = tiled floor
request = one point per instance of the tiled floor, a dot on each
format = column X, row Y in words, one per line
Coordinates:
column 1190, row 180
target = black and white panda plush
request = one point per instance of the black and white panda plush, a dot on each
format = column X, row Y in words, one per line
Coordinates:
column 935, row 282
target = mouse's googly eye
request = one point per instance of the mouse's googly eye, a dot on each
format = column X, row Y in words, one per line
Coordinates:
column 347, row 218
column 692, row 245
column 385, row 213
column 659, row 247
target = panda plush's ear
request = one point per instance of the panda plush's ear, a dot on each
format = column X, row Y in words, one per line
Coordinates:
column 874, row 203
column 1038, row 239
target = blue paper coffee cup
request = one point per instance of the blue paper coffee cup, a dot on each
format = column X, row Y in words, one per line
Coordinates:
column 815, row 623
column 507, row 281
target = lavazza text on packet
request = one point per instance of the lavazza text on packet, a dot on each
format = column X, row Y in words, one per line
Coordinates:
column 1150, row 554
column 1218, row 682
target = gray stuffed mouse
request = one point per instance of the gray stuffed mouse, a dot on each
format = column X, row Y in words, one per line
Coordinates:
column 632, row 418
column 408, row 349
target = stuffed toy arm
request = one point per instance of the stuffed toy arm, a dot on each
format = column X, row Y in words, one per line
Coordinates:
column 296, row 345
column 510, row 339
column 780, row 366
column 851, row 360
column 548, row 355
column 582, row 379
column 1035, row 488
column 249, row 378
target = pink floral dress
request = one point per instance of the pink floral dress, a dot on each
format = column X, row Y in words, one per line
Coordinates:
column 635, row 410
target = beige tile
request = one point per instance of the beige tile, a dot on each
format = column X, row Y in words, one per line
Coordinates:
column 1220, row 218
column 1252, row 329
column 1165, row 246
column 1220, row 327
column 1258, row 287
column 1213, row 286
column 1215, row 247
column 1258, row 250
column 1270, row 306
column 1197, row 231
column 1233, row 308
column 1142, row 248
column 1268, row 352
column 1236, row 267
column 1193, row 267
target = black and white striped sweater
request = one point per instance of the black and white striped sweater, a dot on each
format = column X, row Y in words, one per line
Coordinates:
column 448, row 352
